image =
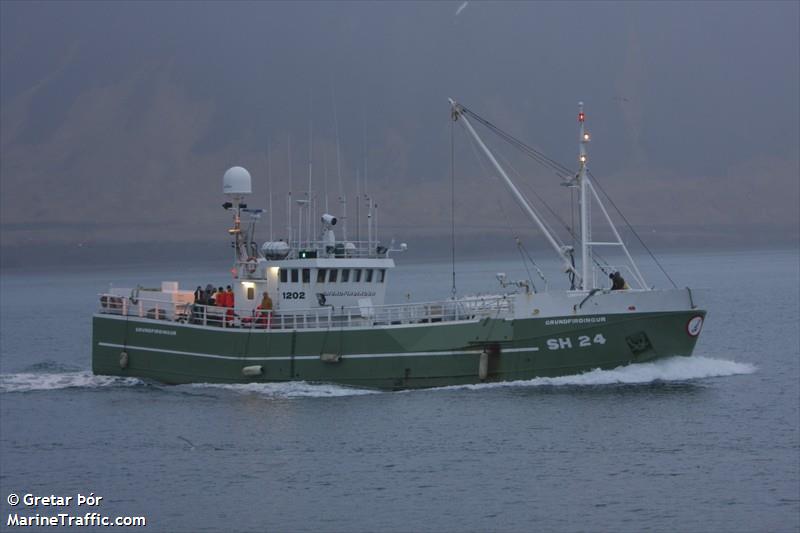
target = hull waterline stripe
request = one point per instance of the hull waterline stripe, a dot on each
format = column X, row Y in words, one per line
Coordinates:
column 309, row 357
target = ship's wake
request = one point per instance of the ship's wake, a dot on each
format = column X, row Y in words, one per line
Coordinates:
column 670, row 370
column 290, row 389
column 45, row 381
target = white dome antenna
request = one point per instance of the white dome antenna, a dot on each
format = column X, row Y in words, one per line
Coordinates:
column 236, row 183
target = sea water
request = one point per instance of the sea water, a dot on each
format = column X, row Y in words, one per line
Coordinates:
column 706, row 443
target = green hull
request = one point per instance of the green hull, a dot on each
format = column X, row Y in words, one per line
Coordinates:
column 390, row 357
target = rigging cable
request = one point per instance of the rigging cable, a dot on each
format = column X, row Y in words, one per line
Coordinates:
column 509, row 225
column 486, row 172
column 595, row 256
column 538, row 270
column 539, row 197
column 632, row 230
column 542, row 158
column 563, row 172
column 522, row 257
column 514, row 234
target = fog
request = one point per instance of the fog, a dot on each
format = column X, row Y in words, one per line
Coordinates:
column 119, row 119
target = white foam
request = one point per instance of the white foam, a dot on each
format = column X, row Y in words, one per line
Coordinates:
column 289, row 389
column 33, row 381
column 672, row 369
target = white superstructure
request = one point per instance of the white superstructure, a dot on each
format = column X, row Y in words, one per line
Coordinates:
column 304, row 272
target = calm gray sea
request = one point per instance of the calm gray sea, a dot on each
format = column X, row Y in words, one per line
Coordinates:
column 708, row 443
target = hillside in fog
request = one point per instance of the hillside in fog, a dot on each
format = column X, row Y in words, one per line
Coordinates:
column 118, row 120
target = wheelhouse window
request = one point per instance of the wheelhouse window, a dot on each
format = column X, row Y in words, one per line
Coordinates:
column 345, row 275
column 283, row 275
column 321, row 275
column 295, row 275
column 333, row 275
column 368, row 275
column 381, row 275
column 306, row 275
column 357, row 275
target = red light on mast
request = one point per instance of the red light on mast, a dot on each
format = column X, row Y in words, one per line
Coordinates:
column 581, row 116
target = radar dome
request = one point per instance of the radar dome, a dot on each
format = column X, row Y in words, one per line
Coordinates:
column 236, row 182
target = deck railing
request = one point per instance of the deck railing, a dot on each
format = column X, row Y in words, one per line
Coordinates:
column 472, row 308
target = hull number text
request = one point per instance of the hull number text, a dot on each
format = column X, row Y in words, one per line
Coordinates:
column 289, row 295
column 583, row 341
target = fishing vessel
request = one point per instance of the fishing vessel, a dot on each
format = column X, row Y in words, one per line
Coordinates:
column 312, row 307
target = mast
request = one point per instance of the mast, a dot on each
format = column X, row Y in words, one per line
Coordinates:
column 310, row 172
column 587, row 192
column 289, row 197
column 458, row 112
column 583, row 184
column 269, row 186
column 358, row 207
column 369, row 222
column 342, row 197
column 309, row 197
column 325, row 175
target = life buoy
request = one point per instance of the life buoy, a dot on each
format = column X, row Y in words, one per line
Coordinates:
column 251, row 265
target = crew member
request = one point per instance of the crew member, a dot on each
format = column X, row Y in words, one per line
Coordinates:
column 617, row 282
column 264, row 311
column 210, row 294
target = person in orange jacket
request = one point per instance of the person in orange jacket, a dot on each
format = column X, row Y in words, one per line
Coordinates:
column 226, row 300
column 264, row 311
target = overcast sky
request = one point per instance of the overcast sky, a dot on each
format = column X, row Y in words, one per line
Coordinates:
column 119, row 119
